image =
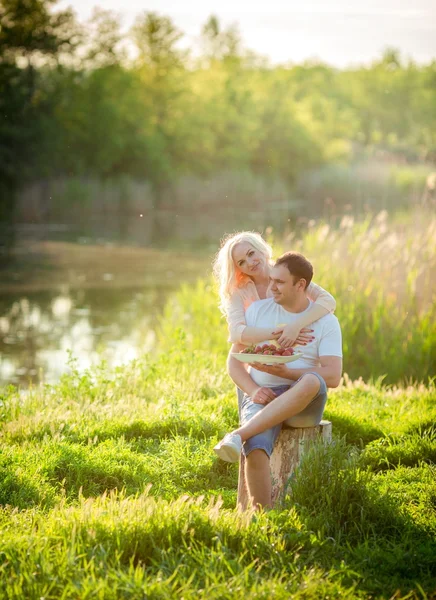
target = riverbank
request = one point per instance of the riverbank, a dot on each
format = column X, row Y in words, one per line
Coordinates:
column 46, row 265
column 110, row 487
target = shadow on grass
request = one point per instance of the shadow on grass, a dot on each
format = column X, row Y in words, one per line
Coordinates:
column 196, row 428
column 357, row 432
column 137, row 430
column 370, row 531
column 18, row 490
column 93, row 470
column 406, row 450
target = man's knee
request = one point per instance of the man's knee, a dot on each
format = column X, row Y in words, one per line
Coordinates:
column 257, row 457
column 309, row 384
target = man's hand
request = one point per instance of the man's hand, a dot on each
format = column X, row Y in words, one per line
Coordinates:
column 263, row 395
column 279, row 370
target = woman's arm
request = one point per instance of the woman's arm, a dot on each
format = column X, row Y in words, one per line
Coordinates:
column 255, row 335
column 323, row 304
column 320, row 297
column 239, row 332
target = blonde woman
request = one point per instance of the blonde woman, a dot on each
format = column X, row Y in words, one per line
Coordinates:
column 242, row 269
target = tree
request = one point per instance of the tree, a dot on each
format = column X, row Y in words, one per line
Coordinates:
column 28, row 33
column 156, row 39
column 160, row 68
column 104, row 40
column 28, row 29
column 218, row 44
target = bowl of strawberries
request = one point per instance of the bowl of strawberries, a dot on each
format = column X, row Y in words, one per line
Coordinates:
column 267, row 354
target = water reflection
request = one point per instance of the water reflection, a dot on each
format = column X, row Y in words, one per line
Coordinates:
column 38, row 330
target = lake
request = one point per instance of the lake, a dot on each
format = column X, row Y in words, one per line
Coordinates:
column 90, row 301
column 41, row 331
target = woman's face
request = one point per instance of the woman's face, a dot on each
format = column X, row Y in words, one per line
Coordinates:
column 248, row 260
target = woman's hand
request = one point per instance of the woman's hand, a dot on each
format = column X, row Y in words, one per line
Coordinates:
column 292, row 335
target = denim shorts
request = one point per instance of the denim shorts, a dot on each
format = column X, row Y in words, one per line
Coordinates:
column 309, row 417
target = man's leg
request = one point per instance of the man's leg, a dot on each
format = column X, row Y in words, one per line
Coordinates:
column 257, row 465
column 258, row 479
column 257, row 451
column 285, row 406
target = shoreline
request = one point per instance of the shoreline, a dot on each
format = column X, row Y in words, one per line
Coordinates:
column 48, row 265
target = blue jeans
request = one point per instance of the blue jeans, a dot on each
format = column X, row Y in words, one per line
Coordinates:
column 309, row 417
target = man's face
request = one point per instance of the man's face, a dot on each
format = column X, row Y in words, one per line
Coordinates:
column 282, row 285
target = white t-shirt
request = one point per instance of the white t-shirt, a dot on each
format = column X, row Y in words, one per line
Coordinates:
column 327, row 334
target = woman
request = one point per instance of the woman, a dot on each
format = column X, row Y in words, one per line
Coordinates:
column 241, row 268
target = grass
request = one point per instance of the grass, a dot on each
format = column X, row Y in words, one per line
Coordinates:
column 118, row 495
column 109, row 488
column 382, row 275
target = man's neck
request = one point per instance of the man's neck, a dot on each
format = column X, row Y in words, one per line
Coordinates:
column 300, row 305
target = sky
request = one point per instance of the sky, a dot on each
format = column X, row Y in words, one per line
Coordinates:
column 338, row 32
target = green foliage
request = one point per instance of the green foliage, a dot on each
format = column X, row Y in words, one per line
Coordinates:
column 382, row 277
column 27, row 30
column 97, row 499
column 218, row 44
column 166, row 114
column 28, row 27
column 108, row 482
column 156, row 38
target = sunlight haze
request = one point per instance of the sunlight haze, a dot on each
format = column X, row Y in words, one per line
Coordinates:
column 338, row 32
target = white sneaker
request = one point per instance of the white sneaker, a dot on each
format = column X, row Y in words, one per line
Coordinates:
column 229, row 448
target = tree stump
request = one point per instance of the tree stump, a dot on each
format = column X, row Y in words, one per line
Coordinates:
column 288, row 450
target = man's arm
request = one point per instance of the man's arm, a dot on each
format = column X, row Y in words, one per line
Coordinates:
column 240, row 376
column 330, row 370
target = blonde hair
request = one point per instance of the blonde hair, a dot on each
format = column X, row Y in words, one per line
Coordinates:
column 227, row 275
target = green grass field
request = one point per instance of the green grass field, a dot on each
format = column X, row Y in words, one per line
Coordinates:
column 109, row 487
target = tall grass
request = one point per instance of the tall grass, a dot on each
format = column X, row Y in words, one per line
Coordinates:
column 109, row 487
column 383, row 276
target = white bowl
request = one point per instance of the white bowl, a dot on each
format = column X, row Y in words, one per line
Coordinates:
column 266, row 359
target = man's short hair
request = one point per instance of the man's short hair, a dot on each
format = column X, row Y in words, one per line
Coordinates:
column 298, row 266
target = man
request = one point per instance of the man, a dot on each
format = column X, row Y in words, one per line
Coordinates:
column 294, row 392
